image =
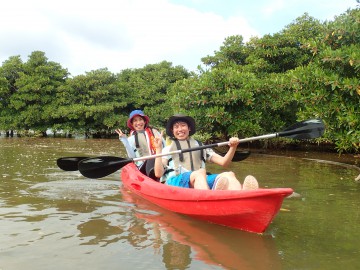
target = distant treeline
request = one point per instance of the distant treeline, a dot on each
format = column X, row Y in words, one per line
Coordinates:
column 310, row 69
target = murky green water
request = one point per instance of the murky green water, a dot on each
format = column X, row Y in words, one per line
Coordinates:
column 52, row 219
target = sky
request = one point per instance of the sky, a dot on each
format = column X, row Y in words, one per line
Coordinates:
column 85, row 35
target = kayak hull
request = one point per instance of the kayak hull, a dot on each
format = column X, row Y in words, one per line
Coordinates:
column 251, row 210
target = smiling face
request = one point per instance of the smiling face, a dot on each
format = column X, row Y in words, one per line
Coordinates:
column 138, row 123
column 181, row 130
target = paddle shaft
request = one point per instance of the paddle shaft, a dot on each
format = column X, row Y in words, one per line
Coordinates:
column 261, row 137
column 268, row 136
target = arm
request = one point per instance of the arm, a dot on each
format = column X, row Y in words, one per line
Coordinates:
column 226, row 160
column 129, row 150
column 159, row 166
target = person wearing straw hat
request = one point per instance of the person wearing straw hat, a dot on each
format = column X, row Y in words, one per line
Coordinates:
column 188, row 169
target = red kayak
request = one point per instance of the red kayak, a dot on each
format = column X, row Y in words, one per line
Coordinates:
column 251, row 210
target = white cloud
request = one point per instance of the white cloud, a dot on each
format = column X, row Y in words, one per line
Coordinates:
column 87, row 35
column 271, row 7
column 117, row 34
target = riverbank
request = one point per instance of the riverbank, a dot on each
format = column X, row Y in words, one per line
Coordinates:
column 311, row 152
column 350, row 159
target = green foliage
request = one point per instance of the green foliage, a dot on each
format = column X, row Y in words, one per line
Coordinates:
column 329, row 87
column 233, row 51
column 220, row 100
column 9, row 73
column 147, row 89
column 89, row 102
column 282, row 51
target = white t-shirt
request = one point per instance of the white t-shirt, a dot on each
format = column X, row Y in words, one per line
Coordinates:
column 171, row 166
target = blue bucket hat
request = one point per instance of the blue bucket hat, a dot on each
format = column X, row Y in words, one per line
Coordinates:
column 137, row 113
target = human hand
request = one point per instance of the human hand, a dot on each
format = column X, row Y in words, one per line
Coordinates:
column 121, row 134
column 234, row 142
column 158, row 141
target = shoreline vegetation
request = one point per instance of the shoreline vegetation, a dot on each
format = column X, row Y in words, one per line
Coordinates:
column 322, row 152
column 310, row 69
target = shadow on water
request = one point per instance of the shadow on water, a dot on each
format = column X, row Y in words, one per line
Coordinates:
column 58, row 218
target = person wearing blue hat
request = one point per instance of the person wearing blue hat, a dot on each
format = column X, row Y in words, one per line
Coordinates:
column 141, row 140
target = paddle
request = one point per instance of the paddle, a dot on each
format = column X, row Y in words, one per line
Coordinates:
column 72, row 163
column 98, row 167
column 238, row 156
column 69, row 163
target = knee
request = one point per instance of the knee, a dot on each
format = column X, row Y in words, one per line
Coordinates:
column 200, row 172
column 234, row 183
column 229, row 175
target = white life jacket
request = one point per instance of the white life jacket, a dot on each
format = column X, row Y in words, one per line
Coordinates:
column 143, row 142
column 190, row 161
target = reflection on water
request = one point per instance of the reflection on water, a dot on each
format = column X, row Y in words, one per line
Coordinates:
column 57, row 218
column 212, row 244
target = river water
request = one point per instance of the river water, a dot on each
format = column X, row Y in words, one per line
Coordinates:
column 54, row 219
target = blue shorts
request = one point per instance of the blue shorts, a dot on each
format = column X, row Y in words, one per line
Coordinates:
column 183, row 180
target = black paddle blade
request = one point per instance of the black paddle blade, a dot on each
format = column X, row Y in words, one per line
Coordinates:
column 98, row 167
column 309, row 129
column 69, row 163
column 238, row 156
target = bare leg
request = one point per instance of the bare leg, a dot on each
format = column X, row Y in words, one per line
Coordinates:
column 198, row 179
column 234, row 184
